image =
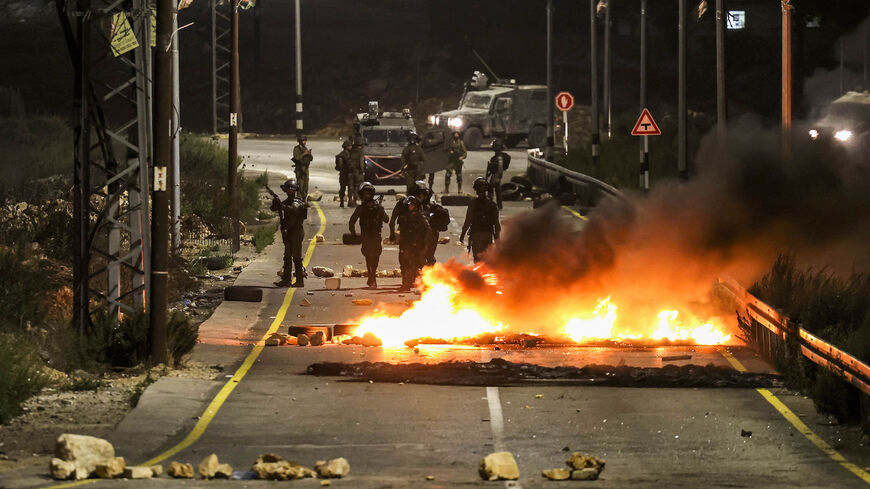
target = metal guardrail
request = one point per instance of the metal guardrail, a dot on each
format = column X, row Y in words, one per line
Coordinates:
column 552, row 177
column 770, row 331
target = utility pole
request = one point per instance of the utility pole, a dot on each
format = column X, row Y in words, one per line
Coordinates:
column 644, row 140
column 159, row 196
column 176, row 141
column 233, row 139
column 721, row 100
column 607, row 69
column 299, row 111
column 682, row 128
column 786, row 78
column 593, row 80
column 81, row 173
column 550, row 101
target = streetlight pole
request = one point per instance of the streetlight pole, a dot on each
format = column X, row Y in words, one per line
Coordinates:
column 607, row 69
column 550, row 101
column 786, row 78
column 176, row 143
column 644, row 140
column 233, row 143
column 682, row 127
column 721, row 100
column 593, row 80
column 299, row 112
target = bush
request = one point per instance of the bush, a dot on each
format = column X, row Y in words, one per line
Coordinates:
column 263, row 179
column 182, row 336
column 22, row 299
column 264, row 236
column 21, row 374
column 203, row 185
column 124, row 344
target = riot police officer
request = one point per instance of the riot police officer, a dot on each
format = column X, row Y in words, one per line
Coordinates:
column 496, row 168
column 342, row 166
column 301, row 161
column 413, row 231
column 371, row 216
column 356, row 170
column 456, row 154
column 481, row 219
column 293, row 213
column 412, row 158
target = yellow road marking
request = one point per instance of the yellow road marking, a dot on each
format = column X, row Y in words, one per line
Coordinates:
column 795, row 421
column 576, row 214
column 221, row 397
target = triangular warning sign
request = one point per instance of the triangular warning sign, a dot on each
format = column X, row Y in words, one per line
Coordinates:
column 646, row 126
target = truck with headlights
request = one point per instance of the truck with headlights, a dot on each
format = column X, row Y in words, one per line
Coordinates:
column 846, row 122
column 504, row 109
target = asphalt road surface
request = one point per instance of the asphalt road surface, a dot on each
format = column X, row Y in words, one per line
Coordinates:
column 396, row 434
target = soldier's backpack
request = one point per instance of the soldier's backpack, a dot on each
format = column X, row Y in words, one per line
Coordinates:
column 339, row 162
column 505, row 161
column 439, row 217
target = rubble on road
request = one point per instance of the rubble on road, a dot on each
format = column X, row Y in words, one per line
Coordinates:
column 316, row 339
column 314, row 196
column 588, row 474
column 223, row 471
column 277, row 339
column 556, row 474
column 84, row 453
column 347, row 272
column 444, row 240
column 281, row 470
column 322, row 271
column 156, row 470
column 368, row 339
column 179, row 470
column 305, row 303
column 208, row 466
column 138, row 472
column 579, row 461
column 111, row 468
column 302, row 339
column 499, row 466
column 319, row 238
column 333, row 469
column 333, row 283
column 362, row 302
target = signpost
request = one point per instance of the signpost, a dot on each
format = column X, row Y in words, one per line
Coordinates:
column 645, row 126
column 565, row 101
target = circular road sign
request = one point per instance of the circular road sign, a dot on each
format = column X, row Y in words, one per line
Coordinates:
column 564, row 101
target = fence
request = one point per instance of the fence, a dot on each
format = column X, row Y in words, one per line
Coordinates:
column 558, row 180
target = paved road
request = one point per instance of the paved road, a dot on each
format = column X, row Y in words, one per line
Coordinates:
column 395, row 435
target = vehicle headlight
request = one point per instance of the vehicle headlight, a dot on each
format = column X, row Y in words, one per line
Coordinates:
column 814, row 134
column 432, row 120
column 455, row 122
column 843, row 135
column 437, row 120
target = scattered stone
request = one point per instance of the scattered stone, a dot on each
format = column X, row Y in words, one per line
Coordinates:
column 316, row 339
column 348, row 271
column 539, row 396
column 444, row 240
column 499, row 466
column 397, row 273
column 305, row 303
column 323, row 271
column 362, row 302
column 268, row 458
column 156, row 470
column 208, row 466
column 579, row 461
column 223, row 471
column 382, row 274
column 359, row 272
column 325, row 483
column 277, row 339
column 587, row 474
column 61, row 469
column 369, row 339
column 430, row 477
column 318, row 238
column 333, row 283
column 111, row 468
column 180, row 470
column 281, row 471
column 302, row 339
column 333, row 469
column 745, row 433
column 315, row 196
column 139, row 472
column 557, row 474
column 85, row 452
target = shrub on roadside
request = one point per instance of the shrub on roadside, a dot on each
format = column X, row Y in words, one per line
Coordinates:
column 124, row 344
column 21, row 374
column 264, row 236
column 182, row 336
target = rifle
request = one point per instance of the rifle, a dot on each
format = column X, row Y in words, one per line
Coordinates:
column 271, row 192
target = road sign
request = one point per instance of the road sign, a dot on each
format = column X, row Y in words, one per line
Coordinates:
column 645, row 125
column 564, row 101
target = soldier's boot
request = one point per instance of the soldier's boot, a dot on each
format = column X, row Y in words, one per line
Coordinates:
column 459, row 183
column 300, row 273
column 446, row 184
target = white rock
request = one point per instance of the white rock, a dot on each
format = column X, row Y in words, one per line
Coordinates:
column 499, row 466
column 335, row 468
column 85, row 452
column 61, row 469
column 139, row 472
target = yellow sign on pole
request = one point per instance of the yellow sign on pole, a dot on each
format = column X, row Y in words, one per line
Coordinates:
column 121, row 34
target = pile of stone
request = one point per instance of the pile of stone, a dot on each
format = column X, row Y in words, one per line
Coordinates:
column 322, row 271
column 581, row 467
column 368, row 339
column 350, row 272
column 274, row 468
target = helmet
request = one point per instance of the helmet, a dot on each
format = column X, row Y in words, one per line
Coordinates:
column 412, row 201
column 359, row 141
column 421, row 185
column 480, row 184
column 301, row 137
column 366, row 186
column 497, row 145
column 413, row 137
column 346, row 143
column 456, row 134
column 289, row 185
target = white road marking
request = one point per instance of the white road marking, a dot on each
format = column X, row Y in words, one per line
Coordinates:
column 496, row 419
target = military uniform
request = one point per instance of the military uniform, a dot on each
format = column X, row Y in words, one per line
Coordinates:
column 481, row 219
column 413, row 231
column 438, row 218
column 342, row 166
column 293, row 213
column 456, row 152
column 371, row 216
column 302, row 160
column 412, row 157
column 494, row 171
column 356, row 172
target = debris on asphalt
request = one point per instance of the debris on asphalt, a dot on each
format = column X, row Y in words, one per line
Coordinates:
column 279, row 469
column 362, row 302
column 305, row 303
column 745, row 433
column 179, row 470
column 588, row 474
column 499, row 466
column 268, row 458
column 83, row 452
column 332, row 469
column 314, row 196
column 302, row 339
column 369, row 339
column 316, row 339
column 444, row 240
column 223, row 471
column 111, row 468
column 319, row 271
column 332, row 283
column 430, row 477
column 676, row 357
column 277, row 339
column 586, row 467
column 208, row 466
column 340, row 339
column 138, row 472
column 556, row 474
column 318, row 238
column 539, row 396
column 347, row 272
column 326, row 483
column 156, row 470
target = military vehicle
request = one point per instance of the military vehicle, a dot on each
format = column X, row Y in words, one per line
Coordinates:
column 385, row 134
column 846, row 122
column 504, row 109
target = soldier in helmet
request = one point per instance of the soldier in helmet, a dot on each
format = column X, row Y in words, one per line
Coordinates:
column 413, row 231
column 356, row 170
column 481, row 219
column 301, row 161
column 342, row 166
column 371, row 216
column 412, row 158
column 456, row 154
column 496, row 168
column 437, row 216
column 293, row 213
